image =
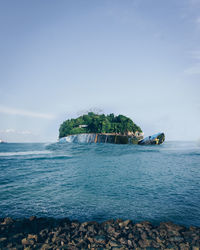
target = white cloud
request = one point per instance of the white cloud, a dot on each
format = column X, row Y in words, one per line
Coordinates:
column 9, row 130
column 195, row 54
column 198, row 20
column 194, row 70
column 194, row 3
column 25, row 132
column 14, row 135
column 14, row 131
column 13, row 111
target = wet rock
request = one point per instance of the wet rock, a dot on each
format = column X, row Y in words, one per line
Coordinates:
column 184, row 246
column 160, row 240
column 100, row 239
column 163, row 233
column 144, row 224
column 3, row 242
column 118, row 221
column 33, row 236
column 75, row 224
column 144, row 235
column 91, row 240
column 130, row 244
column 155, row 244
column 113, row 243
column 25, row 241
column 119, row 248
column 106, row 224
column 193, row 228
column 85, row 224
column 176, row 239
column 195, row 248
column 46, row 247
column 123, row 241
column 7, row 221
column 45, row 233
column 82, row 244
column 32, row 218
column 171, row 226
column 144, row 243
column 130, row 236
column 124, row 223
column 3, row 239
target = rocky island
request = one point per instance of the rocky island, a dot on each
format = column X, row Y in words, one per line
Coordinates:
column 94, row 128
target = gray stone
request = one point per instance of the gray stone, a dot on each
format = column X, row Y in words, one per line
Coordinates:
column 124, row 223
column 100, row 239
column 176, row 239
column 7, row 221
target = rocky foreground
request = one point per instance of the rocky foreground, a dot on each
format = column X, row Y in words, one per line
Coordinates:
column 47, row 233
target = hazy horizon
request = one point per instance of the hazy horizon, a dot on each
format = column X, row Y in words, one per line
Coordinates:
column 136, row 58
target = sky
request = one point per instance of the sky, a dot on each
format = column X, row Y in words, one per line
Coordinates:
column 60, row 59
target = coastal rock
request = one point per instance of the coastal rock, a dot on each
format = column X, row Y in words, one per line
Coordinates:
column 3, row 242
column 144, row 224
column 171, row 226
column 44, row 233
column 144, row 243
column 176, row 239
column 32, row 218
column 25, row 241
column 33, row 236
column 195, row 248
column 184, row 246
column 7, row 221
column 113, row 243
column 100, row 239
column 124, row 223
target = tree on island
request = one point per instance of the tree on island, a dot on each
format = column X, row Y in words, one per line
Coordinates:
column 98, row 123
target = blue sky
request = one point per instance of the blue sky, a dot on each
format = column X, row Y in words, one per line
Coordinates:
column 140, row 58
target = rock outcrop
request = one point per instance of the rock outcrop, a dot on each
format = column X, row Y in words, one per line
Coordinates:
column 101, row 138
column 153, row 140
column 48, row 233
column 114, row 138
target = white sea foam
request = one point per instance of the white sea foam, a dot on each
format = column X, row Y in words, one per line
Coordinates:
column 80, row 138
column 24, row 153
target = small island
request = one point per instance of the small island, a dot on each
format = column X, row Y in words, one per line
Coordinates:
column 103, row 128
column 1, row 141
column 95, row 123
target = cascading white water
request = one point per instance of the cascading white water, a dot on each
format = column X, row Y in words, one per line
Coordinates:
column 79, row 138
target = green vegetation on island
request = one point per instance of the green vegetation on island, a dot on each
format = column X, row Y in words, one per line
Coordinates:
column 95, row 123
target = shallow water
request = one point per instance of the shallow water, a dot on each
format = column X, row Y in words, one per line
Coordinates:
column 101, row 181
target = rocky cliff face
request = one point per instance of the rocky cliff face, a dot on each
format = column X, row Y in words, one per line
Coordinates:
column 102, row 138
column 158, row 138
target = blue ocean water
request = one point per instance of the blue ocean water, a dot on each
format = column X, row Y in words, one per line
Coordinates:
column 101, row 181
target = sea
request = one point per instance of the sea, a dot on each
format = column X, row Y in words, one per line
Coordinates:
column 101, row 181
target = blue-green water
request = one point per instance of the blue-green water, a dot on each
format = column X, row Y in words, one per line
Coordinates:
column 101, row 181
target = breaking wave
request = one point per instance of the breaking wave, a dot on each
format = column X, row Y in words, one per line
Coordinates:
column 23, row 153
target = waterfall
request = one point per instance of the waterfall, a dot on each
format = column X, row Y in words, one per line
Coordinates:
column 79, row 138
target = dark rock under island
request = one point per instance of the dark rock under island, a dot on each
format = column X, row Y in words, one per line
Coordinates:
column 50, row 233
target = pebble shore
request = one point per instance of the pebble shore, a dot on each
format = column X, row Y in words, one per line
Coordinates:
column 49, row 233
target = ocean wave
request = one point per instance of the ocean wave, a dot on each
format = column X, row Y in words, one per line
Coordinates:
column 57, row 157
column 22, row 153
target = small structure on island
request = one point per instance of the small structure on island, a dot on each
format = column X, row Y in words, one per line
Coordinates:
column 94, row 128
column 83, row 126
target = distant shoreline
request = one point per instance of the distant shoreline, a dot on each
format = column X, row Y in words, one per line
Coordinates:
column 51, row 233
